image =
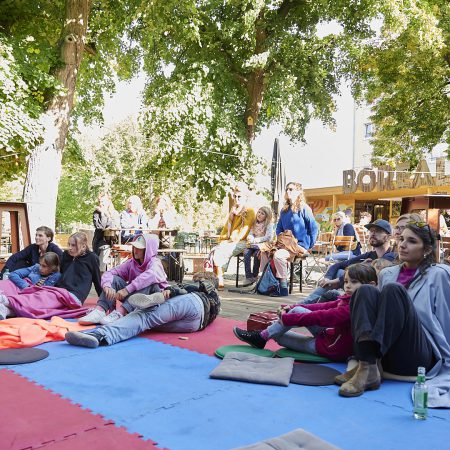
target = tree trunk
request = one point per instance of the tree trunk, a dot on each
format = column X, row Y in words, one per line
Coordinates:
column 44, row 166
column 255, row 87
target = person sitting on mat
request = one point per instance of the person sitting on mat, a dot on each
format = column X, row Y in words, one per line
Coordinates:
column 142, row 273
column 405, row 323
column 45, row 273
column 329, row 322
column 184, row 309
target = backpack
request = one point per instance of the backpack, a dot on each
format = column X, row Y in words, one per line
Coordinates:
column 268, row 283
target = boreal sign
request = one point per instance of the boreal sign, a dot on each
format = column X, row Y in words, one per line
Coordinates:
column 387, row 178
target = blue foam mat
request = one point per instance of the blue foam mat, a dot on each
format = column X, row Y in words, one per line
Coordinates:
column 165, row 394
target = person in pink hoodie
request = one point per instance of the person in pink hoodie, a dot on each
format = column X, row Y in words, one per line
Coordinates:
column 143, row 273
column 329, row 322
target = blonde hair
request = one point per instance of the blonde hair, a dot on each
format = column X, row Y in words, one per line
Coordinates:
column 81, row 242
column 299, row 202
column 109, row 204
column 410, row 217
column 268, row 212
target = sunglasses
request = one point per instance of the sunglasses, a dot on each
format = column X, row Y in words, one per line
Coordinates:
column 337, row 220
column 421, row 225
column 290, row 189
column 237, row 196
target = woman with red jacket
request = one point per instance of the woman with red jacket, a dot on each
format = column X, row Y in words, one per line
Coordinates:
column 329, row 322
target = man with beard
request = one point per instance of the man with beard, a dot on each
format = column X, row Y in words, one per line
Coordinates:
column 380, row 233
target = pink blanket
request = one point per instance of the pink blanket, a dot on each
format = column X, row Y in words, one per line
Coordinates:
column 8, row 288
column 45, row 302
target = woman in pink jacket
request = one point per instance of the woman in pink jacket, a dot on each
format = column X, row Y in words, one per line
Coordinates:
column 328, row 322
column 142, row 273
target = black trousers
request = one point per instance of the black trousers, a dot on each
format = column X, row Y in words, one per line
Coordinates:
column 390, row 322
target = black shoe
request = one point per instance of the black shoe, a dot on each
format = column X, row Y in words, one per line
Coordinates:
column 284, row 292
column 82, row 339
column 251, row 337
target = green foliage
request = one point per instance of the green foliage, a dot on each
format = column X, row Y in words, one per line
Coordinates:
column 213, row 63
column 406, row 74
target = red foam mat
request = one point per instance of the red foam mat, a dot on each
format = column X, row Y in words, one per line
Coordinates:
column 219, row 333
column 34, row 417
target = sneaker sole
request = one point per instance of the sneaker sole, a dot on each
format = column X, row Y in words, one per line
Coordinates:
column 81, row 339
column 143, row 301
column 372, row 387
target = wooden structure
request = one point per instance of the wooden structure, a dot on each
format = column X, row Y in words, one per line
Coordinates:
column 18, row 219
column 432, row 204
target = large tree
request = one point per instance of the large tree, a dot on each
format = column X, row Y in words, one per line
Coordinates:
column 220, row 71
column 63, row 52
column 405, row 75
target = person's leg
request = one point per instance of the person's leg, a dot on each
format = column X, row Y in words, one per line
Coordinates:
column 298, row 342
column 264, row 259
column 385, row 325
column 315, row 295
column 398, row 334
column 256, row 263
column 280, row 258
column 340, row 256
column 179, row 314
column 277, row 329
column 152, row 289
column 117, row 284
column 248, row 254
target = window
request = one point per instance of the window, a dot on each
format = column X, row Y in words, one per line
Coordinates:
column 368, row 130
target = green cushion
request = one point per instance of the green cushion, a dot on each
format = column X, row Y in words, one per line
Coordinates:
column 222, row 351
column 298, row 356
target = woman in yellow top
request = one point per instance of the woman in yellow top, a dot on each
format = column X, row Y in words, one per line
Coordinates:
column 234, row 233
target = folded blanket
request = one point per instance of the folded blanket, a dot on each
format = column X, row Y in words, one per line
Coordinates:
column 295, row 440
column 22, row 332
column 240, row 366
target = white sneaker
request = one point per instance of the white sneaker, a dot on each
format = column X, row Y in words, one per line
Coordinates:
column 4, row 311
column 143, row 301
column 92, row 317
column 248, row 282
column 4, row 300
column 111, row 317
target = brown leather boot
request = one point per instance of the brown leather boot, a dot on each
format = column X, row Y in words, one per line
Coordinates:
column 346, row 376
column 366, row 378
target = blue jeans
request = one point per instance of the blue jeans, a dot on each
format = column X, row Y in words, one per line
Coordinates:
column 248, row 254
column 180, row 314
column 295, row 341
column 341, row 256
column 119, row 283
column 319, row 291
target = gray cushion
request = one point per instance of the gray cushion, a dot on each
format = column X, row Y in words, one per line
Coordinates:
column 295, row 440
column 240, row 366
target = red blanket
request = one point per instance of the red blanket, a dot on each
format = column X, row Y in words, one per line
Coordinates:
column 45, row 302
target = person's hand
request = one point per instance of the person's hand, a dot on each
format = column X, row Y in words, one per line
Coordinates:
column 332, row 284
column 120, row 295
column 367, row 261
column 324, row 282
column 166, row 294
column 110, row 293
column 282, row 309
column 250, row 239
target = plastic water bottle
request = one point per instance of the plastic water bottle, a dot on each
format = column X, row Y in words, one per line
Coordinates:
column 6, row 274
column 420, row 396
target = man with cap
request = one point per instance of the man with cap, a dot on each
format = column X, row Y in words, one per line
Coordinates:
column 143, row 273
column 380, row 233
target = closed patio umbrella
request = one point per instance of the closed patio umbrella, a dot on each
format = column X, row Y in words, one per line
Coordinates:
column 277, row 178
